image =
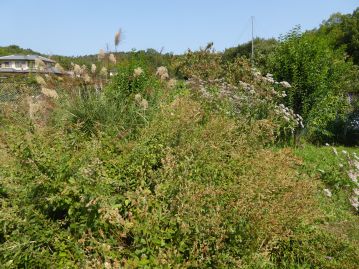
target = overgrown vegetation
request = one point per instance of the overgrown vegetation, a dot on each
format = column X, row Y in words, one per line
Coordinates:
column 212, row 170
column 321, row 80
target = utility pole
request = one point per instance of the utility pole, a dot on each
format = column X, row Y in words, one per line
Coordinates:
column 252, row 58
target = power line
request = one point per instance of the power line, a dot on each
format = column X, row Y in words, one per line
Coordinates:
column 244, row 30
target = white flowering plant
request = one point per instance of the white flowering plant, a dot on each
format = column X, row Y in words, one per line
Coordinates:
column 252, row 96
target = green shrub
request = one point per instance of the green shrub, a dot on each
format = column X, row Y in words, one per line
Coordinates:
column 327, row 119
column 204, row 64
column 320, row 77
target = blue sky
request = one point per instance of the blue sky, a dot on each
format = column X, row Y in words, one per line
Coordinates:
column 78, row 27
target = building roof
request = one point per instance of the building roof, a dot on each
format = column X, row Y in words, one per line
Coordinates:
column 21, row 57
column 53, row 70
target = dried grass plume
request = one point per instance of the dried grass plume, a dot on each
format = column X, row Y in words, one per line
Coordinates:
column 144, row 104
column 39, row 64
column 138, row 98
column 103, row 71
column 172, row 83
column 112, row 58
column 49, row 93
column 137, row 72
column 93, row 68
column 34, row 107
column 59, row 67
column 162, row 72
column 77, row 70
column 40, row 80
column 84, row 68
column 87, row 78
column 118, row 37
column 101, row 55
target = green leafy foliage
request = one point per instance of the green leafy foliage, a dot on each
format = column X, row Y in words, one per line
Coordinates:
column 342, row 30
column 14, row 49
column 204, row 64
column 320, row 79
column 328, row 163
column 262, row 49
column 153, row 173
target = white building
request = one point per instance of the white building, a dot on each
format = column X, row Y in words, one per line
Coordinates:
column 27, row 64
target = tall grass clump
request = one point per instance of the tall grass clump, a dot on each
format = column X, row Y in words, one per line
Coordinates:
column 115, row 107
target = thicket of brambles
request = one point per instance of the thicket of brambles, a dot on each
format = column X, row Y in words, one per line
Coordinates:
column 185, row 161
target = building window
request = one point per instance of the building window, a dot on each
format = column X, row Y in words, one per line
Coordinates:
column 6, row 64
column 20, row 64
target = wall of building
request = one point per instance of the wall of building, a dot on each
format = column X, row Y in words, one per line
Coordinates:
column 18, row 65
column 24, row 65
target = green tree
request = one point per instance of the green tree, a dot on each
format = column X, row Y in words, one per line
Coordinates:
column 320, row 77
column 343, row 30
column 14, row 49
column 263, row 47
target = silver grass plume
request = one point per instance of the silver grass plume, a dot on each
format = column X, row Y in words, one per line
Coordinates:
column 101, row 55
column 112, row 58
column 103, row 71
column 117, row 37
column 93, row 68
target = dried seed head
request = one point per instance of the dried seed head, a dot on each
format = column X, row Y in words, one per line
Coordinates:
column 172, row 83
column 101, row 55
column 77, row 70
column 162, row 72
column 144, row 104
column 138, row 98
column 49, row 93
column 285, row 84
column 59, row 67
column 103, row 71
column 93, row 68
column 84, row 68
column 40, row 80
column 118, row 37
column 34, row 107
column 39, row 62
column 87, row 78
column 327, row 192
column 112, row 58
column 107, row 265
column 137, row 72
